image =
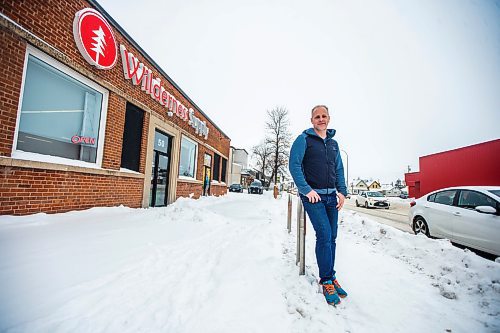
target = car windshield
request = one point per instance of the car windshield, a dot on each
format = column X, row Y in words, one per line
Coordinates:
column 256, row 183
column 374, row 194
column 495, row 192
column 235, row 185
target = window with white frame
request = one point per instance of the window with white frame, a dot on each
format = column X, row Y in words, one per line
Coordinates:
column 187, row 161
column 60, row 114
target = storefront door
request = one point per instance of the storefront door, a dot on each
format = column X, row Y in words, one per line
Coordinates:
column 207, row 173
column 206, row 180
column 161, row 170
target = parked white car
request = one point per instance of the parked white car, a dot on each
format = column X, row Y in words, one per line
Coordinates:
column 372, row 199
column 467, row 215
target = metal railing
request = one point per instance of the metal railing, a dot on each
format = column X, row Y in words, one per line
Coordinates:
column 301, row 232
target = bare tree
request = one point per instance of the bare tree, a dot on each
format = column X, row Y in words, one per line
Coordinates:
column 262, row 154
column 278, row 138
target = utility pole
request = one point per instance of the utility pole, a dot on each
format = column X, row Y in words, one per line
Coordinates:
column 347, row 160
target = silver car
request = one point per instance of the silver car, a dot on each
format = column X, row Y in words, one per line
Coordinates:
column 467, row 215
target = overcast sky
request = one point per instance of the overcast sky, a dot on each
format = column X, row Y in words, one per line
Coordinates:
column 402, row 79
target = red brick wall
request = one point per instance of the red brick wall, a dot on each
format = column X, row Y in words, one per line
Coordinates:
column 11, row 63
column 184, row 189
column 114, row 132
column 28, row 191
column 218, row 190
column 52, row 21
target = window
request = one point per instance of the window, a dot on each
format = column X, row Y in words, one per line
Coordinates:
column 445, row 197
column 187, row 163
column 61, row 115
column 216, row 167
column 431, row 197
column 495, row 192
column 472, row 199
column 132, row 138
column 223, row 171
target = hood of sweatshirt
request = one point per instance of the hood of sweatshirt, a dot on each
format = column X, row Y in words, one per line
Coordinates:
column 330, row 133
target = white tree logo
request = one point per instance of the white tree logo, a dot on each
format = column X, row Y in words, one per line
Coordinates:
column 100, row 43
column 94, row 38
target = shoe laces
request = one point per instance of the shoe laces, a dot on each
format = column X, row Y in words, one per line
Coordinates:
column 330, row 289
column 336, row 283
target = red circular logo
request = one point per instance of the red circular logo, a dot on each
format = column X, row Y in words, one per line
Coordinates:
column 94, row 38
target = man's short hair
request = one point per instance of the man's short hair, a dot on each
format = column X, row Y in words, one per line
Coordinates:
column 319, row 106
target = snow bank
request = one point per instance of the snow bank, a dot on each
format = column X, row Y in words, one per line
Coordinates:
column 228, row 265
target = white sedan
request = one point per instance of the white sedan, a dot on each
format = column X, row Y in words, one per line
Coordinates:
column 467, row 215
column 372, row 199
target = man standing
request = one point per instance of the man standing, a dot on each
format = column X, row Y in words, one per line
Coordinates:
column 317, row 170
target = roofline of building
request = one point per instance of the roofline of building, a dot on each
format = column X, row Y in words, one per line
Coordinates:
column 239, row 149
column 148, row 58
column 460, row 148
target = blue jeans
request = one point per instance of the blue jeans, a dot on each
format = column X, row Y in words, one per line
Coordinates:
column 324, row 218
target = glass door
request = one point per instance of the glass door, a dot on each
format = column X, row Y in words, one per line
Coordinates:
column 160, row 171
column 206, row 180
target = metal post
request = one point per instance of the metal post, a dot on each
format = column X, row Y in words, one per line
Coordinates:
column 302, row 247
column 299, row 214
column 289, row 216
column 347, row 156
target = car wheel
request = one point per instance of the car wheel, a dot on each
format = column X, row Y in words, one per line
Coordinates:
column 366, row 204
column 420, row 226
column 386, row 207
column 357, row 203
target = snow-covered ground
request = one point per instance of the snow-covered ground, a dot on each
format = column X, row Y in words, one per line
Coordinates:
column 400, row 202
column 228, row 265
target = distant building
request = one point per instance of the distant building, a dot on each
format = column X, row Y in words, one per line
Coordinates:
column 238, row 160
column 392, row 192
column 374, row 185
column 249, row 175
column 472, row 165
column 359, row 186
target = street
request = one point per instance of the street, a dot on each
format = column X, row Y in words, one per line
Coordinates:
column 396, row 216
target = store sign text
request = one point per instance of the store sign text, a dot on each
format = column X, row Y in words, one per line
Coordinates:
column 82, row 139
column 141, row 74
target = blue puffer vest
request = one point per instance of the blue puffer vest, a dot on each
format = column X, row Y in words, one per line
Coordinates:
column 316, row 163
column 317, row 154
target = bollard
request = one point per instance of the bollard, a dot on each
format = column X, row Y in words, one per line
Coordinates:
column 301, row 237
column 302, row 247
column 275, row 191
column 299, row 214
column 289, row 216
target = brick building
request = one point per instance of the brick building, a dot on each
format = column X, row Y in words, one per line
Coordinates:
column 88, row 119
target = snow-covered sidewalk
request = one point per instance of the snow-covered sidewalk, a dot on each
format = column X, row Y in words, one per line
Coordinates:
column 228, row 265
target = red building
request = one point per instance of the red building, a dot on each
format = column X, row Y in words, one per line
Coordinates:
column 473, row 165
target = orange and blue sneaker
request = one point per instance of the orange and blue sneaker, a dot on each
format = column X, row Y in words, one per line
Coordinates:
column 330, row 292
column 341, row 292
